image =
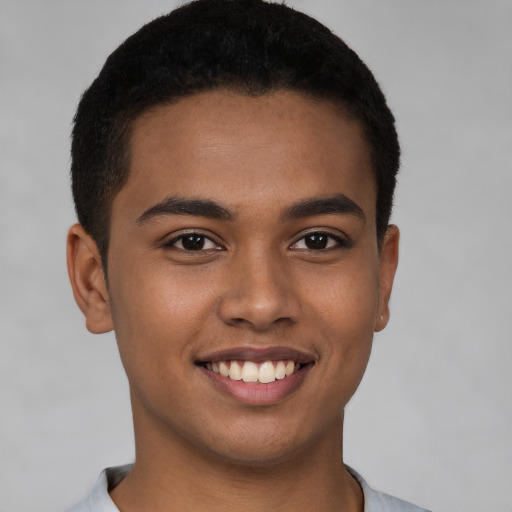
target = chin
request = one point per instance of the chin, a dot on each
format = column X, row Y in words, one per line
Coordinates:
column 261, row 446
column 256, row 455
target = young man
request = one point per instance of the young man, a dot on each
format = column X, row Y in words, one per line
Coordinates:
column 233, row 173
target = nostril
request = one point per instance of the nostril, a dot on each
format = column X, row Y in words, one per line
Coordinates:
column 258, row 324
column 238, row 322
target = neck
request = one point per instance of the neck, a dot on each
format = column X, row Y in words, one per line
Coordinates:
column 168, row 474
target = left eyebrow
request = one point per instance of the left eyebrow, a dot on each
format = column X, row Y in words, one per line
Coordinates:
column 339, row 204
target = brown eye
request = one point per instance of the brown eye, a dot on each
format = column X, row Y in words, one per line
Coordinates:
column 193, row 242
column 316, row 241
column 319, row 241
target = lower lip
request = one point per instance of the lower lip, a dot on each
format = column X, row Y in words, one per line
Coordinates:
column 252, row 393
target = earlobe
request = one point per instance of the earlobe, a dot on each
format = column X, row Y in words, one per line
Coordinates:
column 387, row 268
column 88, row 280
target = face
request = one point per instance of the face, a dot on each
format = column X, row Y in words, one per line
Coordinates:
column 245, row 281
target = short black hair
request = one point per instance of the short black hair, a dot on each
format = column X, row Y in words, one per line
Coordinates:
column 247, row 46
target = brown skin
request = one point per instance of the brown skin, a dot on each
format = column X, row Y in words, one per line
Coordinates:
column 255, row 284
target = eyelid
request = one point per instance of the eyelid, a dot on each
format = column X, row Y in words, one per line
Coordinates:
column 341, row 239
column 169, row 241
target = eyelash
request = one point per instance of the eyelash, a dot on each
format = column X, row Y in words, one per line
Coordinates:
column 171, row 244
column 339, row 242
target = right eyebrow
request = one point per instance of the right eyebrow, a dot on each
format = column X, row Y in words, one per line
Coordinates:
column 176, row 205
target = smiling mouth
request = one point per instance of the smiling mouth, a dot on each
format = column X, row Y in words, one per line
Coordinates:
column 250, row 371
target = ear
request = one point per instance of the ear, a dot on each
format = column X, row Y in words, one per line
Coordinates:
column 387, row 268
column 88, row 280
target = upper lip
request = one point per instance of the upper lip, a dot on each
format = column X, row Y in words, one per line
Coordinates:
column 257, row 355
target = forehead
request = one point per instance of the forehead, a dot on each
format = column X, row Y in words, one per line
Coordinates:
column 243, row 150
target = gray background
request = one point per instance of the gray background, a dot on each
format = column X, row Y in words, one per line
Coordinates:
column 433, row 417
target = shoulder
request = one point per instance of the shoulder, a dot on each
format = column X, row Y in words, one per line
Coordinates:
column 375, row 501
column 99, row 499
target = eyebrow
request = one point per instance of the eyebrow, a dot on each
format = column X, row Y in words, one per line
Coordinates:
column 174, row 205
column 339, row 204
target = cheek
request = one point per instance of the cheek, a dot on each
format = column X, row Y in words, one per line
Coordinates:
column 157, row 316
column 341, row 308
column 346, row 296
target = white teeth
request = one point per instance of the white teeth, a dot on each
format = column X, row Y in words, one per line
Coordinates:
column 280, row 370
column 235, row 371
column 290, row 368
column 248, row 371
column 223, row 368
column 267, row 372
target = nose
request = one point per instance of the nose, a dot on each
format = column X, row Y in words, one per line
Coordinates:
column 260, row 294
